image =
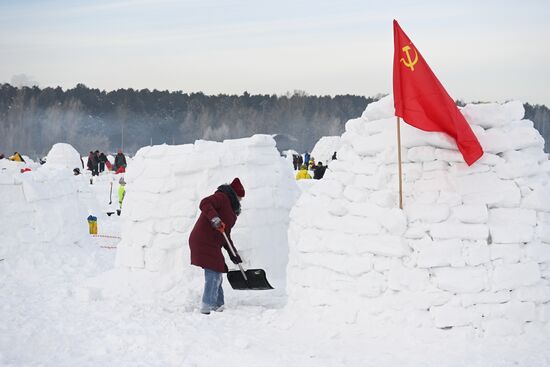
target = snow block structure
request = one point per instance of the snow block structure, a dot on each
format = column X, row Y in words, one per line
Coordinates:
column 64, row 156
column 38, row 208
column 325, row 148
column 164, row 187
column 471, row 248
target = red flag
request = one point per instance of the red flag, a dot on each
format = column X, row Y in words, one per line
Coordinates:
column 421, row 100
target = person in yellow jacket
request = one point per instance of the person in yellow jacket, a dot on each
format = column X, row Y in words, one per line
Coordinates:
column 16, row 157
column 303, row 173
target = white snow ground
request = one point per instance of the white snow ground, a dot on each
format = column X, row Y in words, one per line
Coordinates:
column 49, row 319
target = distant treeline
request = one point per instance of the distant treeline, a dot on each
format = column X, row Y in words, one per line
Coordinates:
column 32, row 119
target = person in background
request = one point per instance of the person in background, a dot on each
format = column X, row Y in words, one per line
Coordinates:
column 121, row 193
column 303, row 174
column 311, row 163
column 218, row 215
column 76, row 171
column 319, row 171
column 306, row 159
column 120, row 160
column 95, row 163
column 334, row 156
column 16, row 157
column 90, row 163
column 2, row 156
column 102, row 160
column 295, row 161
column 300, row 161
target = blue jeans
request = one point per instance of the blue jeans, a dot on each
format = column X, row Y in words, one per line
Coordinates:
column 212, row 298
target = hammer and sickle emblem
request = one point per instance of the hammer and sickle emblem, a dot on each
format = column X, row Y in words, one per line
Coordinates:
column 409, row 63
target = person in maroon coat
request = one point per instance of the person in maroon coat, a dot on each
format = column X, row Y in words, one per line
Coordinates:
column 219, row 213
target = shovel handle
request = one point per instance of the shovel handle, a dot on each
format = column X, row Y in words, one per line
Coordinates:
column 234, row 254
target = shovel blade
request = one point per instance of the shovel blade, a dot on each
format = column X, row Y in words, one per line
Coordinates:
column 256, row 280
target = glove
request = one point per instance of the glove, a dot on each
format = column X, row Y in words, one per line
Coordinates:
column 235, row 259
column 217, row 224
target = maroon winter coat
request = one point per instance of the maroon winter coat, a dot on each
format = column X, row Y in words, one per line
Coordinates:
column 204, row 241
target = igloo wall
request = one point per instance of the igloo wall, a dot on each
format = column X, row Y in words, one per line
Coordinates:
column 471, row 247
column 63, row 156
column 38, row 208
column 165, row 185
column 325, row 148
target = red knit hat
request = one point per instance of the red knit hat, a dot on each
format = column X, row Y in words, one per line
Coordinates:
column 237, row 187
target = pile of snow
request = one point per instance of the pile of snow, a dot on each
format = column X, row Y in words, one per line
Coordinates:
column 471, row 247
column 63, row 156
column 39, row 208
column 164, row 187
column 325, row 148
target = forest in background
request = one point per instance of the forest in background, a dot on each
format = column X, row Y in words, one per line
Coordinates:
column 32, row 119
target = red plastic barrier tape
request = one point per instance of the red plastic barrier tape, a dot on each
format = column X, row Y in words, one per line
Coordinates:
column 106, row 236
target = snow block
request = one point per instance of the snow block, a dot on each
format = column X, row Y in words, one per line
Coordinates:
column 400, row 278
column 511, row 276
column 501, row 328
column 474, row 214
column 477, row 253
column 448, row 230
column 498, row 140
column 421, row 154
column 487, row 188
column 371, row 284
column 385, row 245
column 439, row 253
column 538, row 252
column 543, row 312
column 511, row 233
column 461, row 280
column 429, row 213
column 514, row 310
column 510, row 253
column 537, row 294
column 450, row 316
column 489, row 115
column 512, row 216
column 538, row 199
column 341, row 263
column 471, row 299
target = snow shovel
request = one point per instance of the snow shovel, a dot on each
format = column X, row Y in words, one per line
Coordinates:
column 110, row 199
column 111, row 194
column 252, row 279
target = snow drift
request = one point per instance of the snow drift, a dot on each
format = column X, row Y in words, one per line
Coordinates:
column 471, row 247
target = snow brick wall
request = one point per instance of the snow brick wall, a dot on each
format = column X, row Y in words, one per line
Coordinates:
column 325, row 148
column 471, row 247
column 164, row 187
column 40, row 209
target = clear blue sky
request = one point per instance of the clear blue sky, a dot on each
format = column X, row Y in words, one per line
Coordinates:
column 480, row 50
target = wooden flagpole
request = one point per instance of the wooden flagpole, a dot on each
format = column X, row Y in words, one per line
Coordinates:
column 399, row 163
